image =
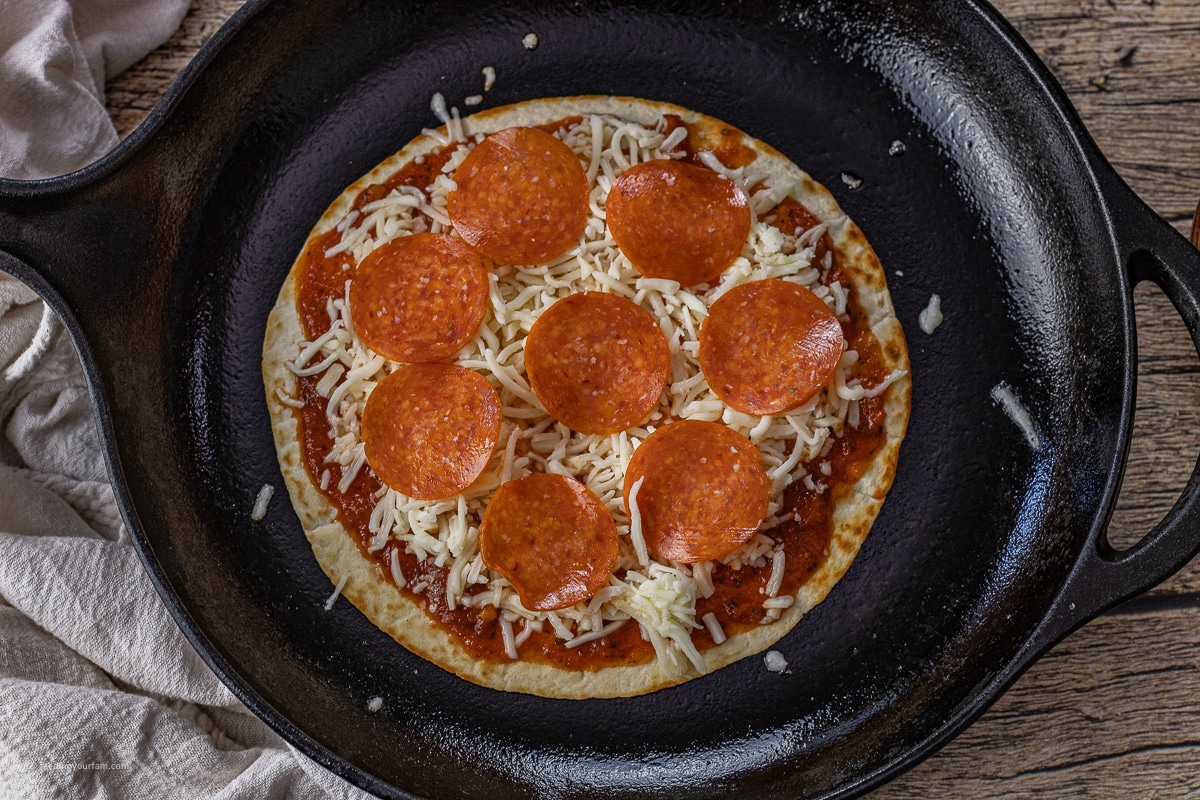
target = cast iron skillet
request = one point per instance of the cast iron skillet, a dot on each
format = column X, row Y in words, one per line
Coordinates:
column 165, row 257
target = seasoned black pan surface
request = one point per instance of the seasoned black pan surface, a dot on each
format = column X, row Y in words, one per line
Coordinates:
column 165, row 258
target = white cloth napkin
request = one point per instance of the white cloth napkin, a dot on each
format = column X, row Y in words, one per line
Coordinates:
column 100, row 694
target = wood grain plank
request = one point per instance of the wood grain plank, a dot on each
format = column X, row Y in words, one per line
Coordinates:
column 1166, row 432
column 130, row 96
column 1113, row 711
column 1132, row 69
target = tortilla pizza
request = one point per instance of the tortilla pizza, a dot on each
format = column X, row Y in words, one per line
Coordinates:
column 586, row 397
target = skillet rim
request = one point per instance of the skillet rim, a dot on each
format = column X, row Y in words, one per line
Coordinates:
column 1036, row 643
column 62, row 186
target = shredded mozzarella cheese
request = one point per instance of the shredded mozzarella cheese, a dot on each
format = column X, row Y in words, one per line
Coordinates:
column 663, row 601
column 714, row 627
column 1007, row 400
column 931, row 315
column 446, row 532
column 260, row 502
column 341, row 584
column 775, row 661
column 635, row 524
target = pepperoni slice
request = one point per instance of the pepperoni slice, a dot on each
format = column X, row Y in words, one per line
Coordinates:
column 768, row 347
column 522, row 197
column 677, row 220
column 419, row 298
column 598, row 362
column 551, row 537
column 704, row 490
column 430, row 429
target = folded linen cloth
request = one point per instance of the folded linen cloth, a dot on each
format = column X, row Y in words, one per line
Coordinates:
column 100, row 693
column 54, row 58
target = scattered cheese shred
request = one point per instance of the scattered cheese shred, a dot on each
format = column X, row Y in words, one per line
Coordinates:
column 506, row 631
column 635, row 524
column 775, row 661
column 702, row 575
column 260, row 503
column 287, row 399
column 394, row 563
column 598, row 634
column 775, row 582
column 714, row 627
column 931, row 316
column 341, row 584
column 1004, row 396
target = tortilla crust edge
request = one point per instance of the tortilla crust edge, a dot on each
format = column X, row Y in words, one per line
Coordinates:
column 400, row 616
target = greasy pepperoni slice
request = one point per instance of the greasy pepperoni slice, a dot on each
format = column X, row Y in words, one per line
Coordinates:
column 419, row 298
column 522, row 197
column 767, row 347
column 677, row 220
column 430, row 429
column 598, row 362
column 551, row 537
column 704, row 490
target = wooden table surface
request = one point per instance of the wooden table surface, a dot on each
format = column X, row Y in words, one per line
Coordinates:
column 1114, row 710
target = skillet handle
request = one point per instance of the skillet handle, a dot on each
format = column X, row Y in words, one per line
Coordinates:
column 1151, row 250
column 52, row 237
column 85, row 250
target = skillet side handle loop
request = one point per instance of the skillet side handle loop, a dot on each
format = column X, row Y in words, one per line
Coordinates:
column 40, row 280
column 88, row 257
column 1151, row 250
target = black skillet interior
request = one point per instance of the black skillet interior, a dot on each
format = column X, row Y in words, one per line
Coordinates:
column 170, row 254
